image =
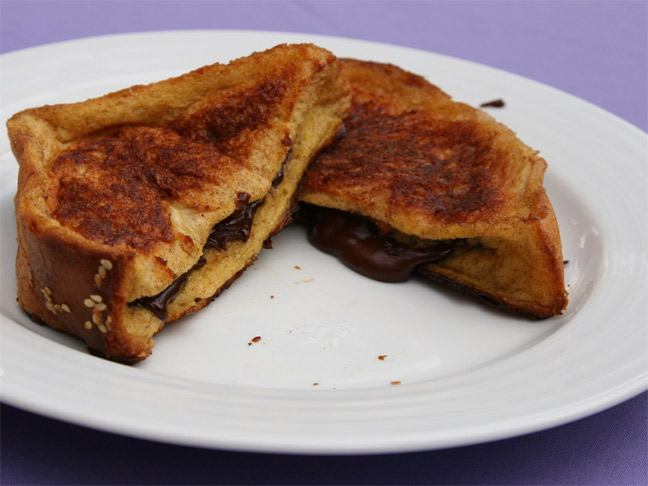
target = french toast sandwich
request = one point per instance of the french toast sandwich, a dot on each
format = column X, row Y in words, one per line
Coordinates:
column 139, row 207
column 421, row 183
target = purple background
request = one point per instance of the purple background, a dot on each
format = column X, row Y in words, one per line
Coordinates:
column 597, row 51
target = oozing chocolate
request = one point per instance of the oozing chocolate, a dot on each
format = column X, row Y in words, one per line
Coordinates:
column 280, row 174
column 235, row 227
column 359, row 244
column 158, row 304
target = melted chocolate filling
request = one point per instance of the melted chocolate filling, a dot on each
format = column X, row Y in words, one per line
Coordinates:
column 360, row 245
column 158, row 304
column 280, row 174
column 235, row 227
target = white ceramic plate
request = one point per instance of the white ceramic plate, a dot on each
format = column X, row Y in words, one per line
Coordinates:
column 314, row 382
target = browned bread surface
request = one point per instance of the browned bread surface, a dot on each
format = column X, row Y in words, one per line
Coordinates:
column 117, row 196
column 423, row 165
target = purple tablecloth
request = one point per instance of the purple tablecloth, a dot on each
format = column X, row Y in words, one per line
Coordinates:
column 595, row 50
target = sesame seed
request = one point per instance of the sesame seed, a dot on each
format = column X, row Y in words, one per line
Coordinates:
column 108, row 320
column 47, row 290
column 89, row 303
column 96, row 298
column 102, row 271
column 97, row 279
column 101, row 307
column 88, row 325
column 103, row 329
column 96, row 318
column 106, row 263
column 65, row 307
column 50, row 307
column 57, row 308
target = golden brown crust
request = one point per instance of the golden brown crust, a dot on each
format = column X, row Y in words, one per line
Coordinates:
column 408, row 164
column 117, row 195
column 112, row 187
column 422, row 164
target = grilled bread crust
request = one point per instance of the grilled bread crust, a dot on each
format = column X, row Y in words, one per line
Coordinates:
column 117, row 195
column 423, row 165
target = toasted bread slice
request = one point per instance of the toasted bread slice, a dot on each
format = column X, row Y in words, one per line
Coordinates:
column 446, row 189
column 141, row 206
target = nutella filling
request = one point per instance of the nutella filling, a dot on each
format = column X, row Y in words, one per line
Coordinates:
column 280, row 174
column 359, row 244
column 235, row 227
column 158, row 304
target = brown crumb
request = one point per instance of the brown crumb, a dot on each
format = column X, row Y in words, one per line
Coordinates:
column 382, row 357
column 272, row 296
column 499, row 103
column 315, row 384
column 305, row 281
column 396, row 382
column 255, row 339
column 297, row 267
